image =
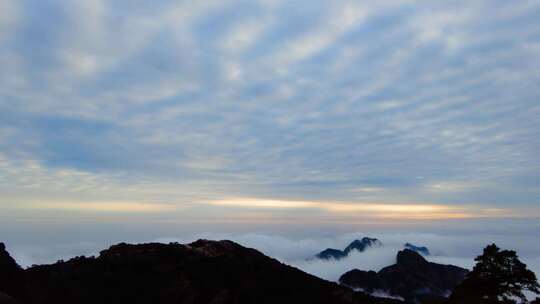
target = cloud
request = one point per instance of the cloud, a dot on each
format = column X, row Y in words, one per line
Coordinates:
column 341, row 19
column 127, row 207
column 373, row 210
column 243, row 35
column 372, row 259
column 428, row 103
column 9, row 13
column 447, row 249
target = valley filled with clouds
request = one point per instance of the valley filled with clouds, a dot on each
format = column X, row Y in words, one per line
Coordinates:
column 446, row 245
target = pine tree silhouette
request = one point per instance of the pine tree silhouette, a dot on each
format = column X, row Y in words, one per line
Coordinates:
column 499, row 277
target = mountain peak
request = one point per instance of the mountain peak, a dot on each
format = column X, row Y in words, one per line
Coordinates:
column 362, row 244
column 412, row 278
column 410, row 257
column 7, row 263
column 331, row 253
column 359, row 245
column 11, row 274
column 220, row 248
column 420, row 249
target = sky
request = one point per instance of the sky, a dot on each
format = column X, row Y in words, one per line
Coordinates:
column 131, row 120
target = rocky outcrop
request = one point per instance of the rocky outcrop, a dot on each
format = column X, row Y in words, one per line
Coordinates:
column 412, row 278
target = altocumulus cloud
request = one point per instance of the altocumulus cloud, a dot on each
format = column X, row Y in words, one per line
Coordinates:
column 180, row 102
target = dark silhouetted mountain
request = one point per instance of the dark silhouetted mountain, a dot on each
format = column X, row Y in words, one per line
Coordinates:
column 11, row 276
column 199, row 273
column 5, row 299
column 420, row 249
column 365, row 280
column 412, row 278
column 330, row 253
column 359, row 245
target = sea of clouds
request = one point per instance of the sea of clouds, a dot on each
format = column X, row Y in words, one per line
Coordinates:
column 456, row 249
column 459, row 250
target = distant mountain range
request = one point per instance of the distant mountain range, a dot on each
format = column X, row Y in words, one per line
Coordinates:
column 411, row 278
column 202, row 272
column 360, row 246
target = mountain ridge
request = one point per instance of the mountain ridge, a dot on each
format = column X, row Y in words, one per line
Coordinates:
column 358, row 245
column 200, row 272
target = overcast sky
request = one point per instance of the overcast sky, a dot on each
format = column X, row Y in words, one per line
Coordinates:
column 231, row 113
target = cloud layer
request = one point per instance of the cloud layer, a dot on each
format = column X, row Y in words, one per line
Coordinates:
column 180, row 103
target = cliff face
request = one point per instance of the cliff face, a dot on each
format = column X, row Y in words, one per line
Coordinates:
column 412, row 278
column 200, row 272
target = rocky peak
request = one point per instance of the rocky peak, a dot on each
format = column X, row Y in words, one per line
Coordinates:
column 214, row 248
column 420, row 249
column 361, row 245
column 412, row 278
column 330, row 253
column 408, row 257
column 11, row 275
column 126, row 250
column 7, row 263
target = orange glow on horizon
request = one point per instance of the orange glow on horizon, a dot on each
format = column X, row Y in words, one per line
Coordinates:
column 272, row 210
column 374, row 210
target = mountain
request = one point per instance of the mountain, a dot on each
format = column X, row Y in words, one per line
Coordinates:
column 11, row 276
column 359, row 245
column 330, row 253
column 362, row 245
column 419, row 249
column 202, row 272
column 412, row 278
